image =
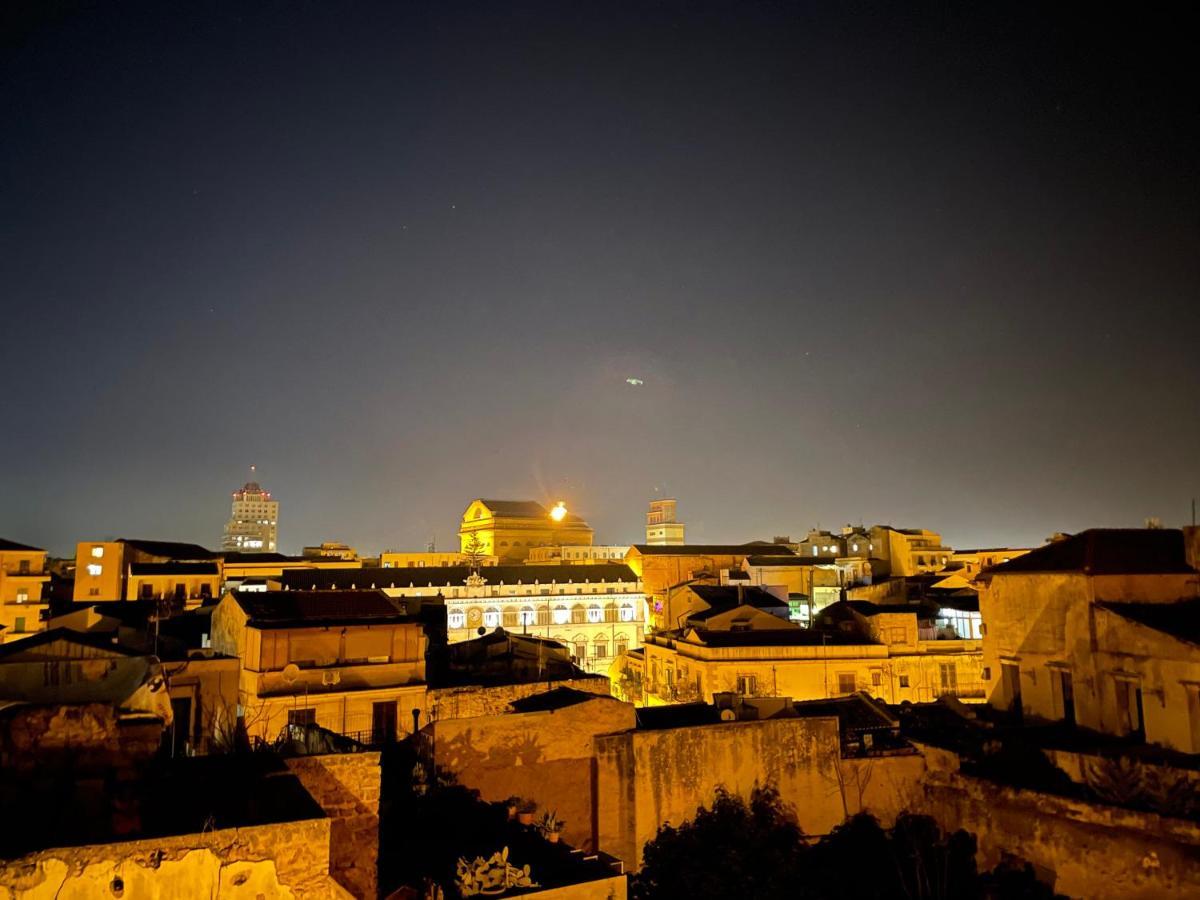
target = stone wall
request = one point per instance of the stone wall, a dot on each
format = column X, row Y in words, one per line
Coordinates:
column 346, row 785
column 1084, row 850
column 645, row 779
column 264, row 861
column 543, row 756
column 469, row 701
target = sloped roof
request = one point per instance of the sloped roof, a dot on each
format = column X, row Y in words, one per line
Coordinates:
column 855, row 713
column 1180, row 620
column 13, row 545
column 779, row 637
column 559, row 698
column 170, row 549
column 723, row 597
column 287, row 609
column 37, row 646
column 173, row 568
column 792, row 559
column 451, row 576
column 758, row 547
column 1107, row 551
column 523, row 508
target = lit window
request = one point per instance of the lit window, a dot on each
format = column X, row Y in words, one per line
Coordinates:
column 528, row 616
column 97, row 552
column 561, row 615
column 94, row 569
column 491, row 617
column 594, row 613
column 815, row 551
column 627, row 612
column 854, row 547
column 456, row 619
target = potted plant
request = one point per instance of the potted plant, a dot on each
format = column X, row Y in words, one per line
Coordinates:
column 551, row 826
column 526, row 811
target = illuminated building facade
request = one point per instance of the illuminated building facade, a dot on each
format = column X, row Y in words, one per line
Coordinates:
column 22, row 574
column 253, row 525
column 509, row 529
column 152, row 570
column 597, row 611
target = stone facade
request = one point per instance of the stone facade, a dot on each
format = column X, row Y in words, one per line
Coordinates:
column 468, row 701
column 263, row 861
column 645, row 779
column 347, row 788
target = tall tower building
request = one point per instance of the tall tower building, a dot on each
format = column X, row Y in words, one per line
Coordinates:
column 662, row 529
column 253, row 525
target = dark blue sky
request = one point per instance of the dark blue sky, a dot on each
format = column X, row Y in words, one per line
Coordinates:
column 923, row 264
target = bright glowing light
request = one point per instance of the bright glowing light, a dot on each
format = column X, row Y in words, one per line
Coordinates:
column 559, row 512
column 636, row 382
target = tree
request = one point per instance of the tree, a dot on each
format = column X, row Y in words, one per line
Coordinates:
column 474, row 551
column 732, row 849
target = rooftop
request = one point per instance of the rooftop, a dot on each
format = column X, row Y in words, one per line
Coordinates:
column 174, row 568
column 169, row 549
column 559, row 698
column 13, row 545
column 756, row 547
column 1180, row 620
column 1107, row 551
column 285, row 609
column 453, row 576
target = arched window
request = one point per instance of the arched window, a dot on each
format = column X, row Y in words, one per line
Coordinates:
column 610, row 612
column 621, row 646
column 578, row 614
column 594, row 613
column 562, row 615
column 510, row 617
column 628, row 614
column 527, row 615
column 491, row 617
column 580, row 644
column 456, row 618
column 543, row 615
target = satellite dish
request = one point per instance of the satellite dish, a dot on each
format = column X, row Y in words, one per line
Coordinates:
column 290, row 673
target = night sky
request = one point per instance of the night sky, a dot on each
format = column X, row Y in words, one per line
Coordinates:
column 937, row 266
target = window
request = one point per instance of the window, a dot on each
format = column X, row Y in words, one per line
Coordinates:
column 578, row 614
column 622, row 646
column 509, row 617
column 22, row 595
column 601, row 648
column 23, row 567
column 815, row 551
column 949, row 673
column 876, row 677
column 543, row 615
column 747, row 685
column 20, row 625
column 456, row 619
column 610, row 612
column 580, row 650
column 97, row 552
column 302, row 717
column 491, row 617
column 846, row 682
column 561, row 615
column 903, row 681
column 594, row 613
column 627, row 612
column 95, row 569
column 527, row 616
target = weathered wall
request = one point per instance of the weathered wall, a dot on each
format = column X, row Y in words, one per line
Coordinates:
column 346, row 786
column 266, row 861
column 615, row 888
column 476, row 700
column 89, row 738
column 543, row 756
column 1085, row 850
column 645, row 779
